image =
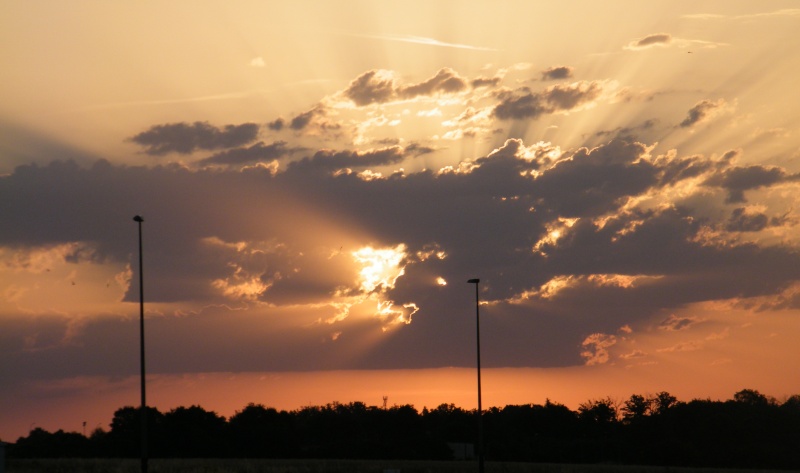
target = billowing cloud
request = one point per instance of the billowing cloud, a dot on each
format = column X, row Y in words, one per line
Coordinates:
column 291, row 246
column 186, row 138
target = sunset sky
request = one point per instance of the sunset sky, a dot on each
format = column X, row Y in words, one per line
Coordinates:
column 319, row 179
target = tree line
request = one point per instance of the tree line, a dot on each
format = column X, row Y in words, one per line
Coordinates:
column 749, row 431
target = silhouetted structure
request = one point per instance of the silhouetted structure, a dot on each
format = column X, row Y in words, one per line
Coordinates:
column 138, row 219
column 478, row 340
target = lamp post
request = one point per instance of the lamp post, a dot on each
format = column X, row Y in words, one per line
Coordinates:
column 478, row 338
column 138, row 219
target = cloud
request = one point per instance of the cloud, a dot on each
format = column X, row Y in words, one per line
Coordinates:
column 333, row 160
column 525, row 104
column 596, row 348
column 375, row 86
column 316, row 120
column 703, row 111
column 380, row 86
column 258, row 62
column 736, row 180
column 743, row 221
column 254, row 153
column 557, row 72
column 663, row 40
column 445, row 81
column 649, row 41
column 485, row 82
column 186, row 138
column 674, row 323
column 271, row 251
column 277, row 125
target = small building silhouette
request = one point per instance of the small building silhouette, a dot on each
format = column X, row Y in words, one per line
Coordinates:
column 462, row 451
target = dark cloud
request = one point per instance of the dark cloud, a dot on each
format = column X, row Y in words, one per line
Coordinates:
column 485, row 82
column 371, row 87
column 628, row 132
column 416, row 149
column 606, row 176
column 334, row 160
column 445, row 81
column 702, row 111
column 557, row 72
column 276, row 245
column 650, row 41
column 302, row 120
column 737, row 180
column 378, row 86
column 276, row 125
column 742, row 221
column 520, row 104
column 257, row 152
column 317, row 118
column 524, row 104
column 186, row 138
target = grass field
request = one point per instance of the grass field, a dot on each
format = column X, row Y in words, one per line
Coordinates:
column 325, row 466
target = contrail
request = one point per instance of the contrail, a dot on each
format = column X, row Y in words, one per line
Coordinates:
column 423, row 40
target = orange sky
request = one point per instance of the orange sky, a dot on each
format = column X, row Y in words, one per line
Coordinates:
column 319, row 179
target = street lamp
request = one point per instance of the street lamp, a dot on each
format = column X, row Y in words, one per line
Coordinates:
column 478, row 338
column 138, row 219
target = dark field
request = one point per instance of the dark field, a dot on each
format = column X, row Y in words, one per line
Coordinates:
column 326, row 466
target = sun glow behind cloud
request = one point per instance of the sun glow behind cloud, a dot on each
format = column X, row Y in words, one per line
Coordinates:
column 380, row 267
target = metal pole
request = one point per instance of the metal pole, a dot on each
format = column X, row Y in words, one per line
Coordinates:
column 478, row 338
column 139, row 220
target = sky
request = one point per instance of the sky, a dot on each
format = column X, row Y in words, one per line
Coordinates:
column 319, row 179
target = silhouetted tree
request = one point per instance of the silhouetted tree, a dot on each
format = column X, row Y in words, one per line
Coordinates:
column 636, row 408
column 42, row 444
column 749, row 431
column 751, row 397
column 126, row 427
column 662, row 402
column 599, row 420
column 261, row 432
column 193, row 432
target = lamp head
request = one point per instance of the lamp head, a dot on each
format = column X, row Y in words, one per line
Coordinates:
column 474, row 281
column 138, row 219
